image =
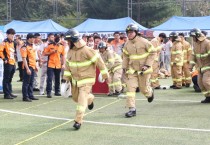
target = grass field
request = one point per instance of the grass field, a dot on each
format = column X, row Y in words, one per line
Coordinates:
column 176, row 117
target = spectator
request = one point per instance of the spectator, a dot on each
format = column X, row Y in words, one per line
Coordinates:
column 167, row 55
column 20, row 43
column 8, row 56
column 56, row 53
column 117, row 43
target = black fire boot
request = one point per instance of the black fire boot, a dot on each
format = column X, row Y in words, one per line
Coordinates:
column 206, row 100
column 130, row 113
column 77, row 125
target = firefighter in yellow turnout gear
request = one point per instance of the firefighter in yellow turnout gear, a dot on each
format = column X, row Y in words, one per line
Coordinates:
column 187, row 51
column 80, row 70
column 176, row 61
column 201, row 58
column 138, row 57
column 157, row 44
column 113, row 63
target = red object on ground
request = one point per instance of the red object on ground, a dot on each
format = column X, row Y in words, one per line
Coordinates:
column 100, row 88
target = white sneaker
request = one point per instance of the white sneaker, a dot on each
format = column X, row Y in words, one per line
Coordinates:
column 122, row 96
column 41, row 93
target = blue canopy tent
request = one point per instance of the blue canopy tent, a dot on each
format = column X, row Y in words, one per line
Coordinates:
column 2, row 28
column 47, row 26
column 103, row 26
column 1, row 34
column 176, row 23
column 183, row 24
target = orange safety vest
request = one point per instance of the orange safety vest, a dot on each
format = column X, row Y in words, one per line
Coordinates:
column 54, row 60
column 29, row 53
column 8, row 51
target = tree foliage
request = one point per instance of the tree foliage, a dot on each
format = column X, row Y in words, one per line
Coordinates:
column 30, row 10
column 195, row 9
column 153, row 12
column 105, row 9
column 149, row 13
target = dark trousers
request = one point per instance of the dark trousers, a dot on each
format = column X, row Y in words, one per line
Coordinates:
column 9, row 71
column 27, row 86
column 195, row 80
column 50, row 72
column 195, row 83
column 20, row 65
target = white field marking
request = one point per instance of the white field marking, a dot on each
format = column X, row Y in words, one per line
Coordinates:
column 150, row 127
column 124, row 97
column 112, row 98
column 112, row 124
column 55, row 127
column 171, row 100
column 34, row 115
column 33, row 106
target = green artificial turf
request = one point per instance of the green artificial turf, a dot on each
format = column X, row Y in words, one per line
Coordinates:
column 172, row 119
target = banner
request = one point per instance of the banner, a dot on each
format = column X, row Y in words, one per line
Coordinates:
column 1, row 75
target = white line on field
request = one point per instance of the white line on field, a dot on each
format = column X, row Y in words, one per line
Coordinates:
column 124, row 97
column 161, row 100
column 151, row 127
column 34, row 115
column 170, row 100
column 112, row 124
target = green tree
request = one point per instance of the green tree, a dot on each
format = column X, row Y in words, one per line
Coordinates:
column 71, row 20
column 39, row 9
column 196, row 9
column 105, row 9
column 149, row 13
column 153, row 12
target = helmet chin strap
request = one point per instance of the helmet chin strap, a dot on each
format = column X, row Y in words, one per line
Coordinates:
column 71, row 45
column 173, row 39
column 196, row 39
column 134, row 36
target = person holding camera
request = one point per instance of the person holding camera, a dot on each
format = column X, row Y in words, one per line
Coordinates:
column 56, row 60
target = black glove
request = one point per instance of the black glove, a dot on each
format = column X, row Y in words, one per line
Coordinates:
column 63, row 81
column 124, row 70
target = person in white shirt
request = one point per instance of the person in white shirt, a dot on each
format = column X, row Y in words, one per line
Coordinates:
column 20, row 43
column 36, row 46
column 167, row 55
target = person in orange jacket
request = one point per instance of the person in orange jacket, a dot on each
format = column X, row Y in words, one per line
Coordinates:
column 56, row 60
column 8, row 56
column 117, row 43
column 28, row 54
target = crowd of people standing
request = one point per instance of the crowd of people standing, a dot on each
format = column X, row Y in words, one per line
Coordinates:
column 128, row 62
